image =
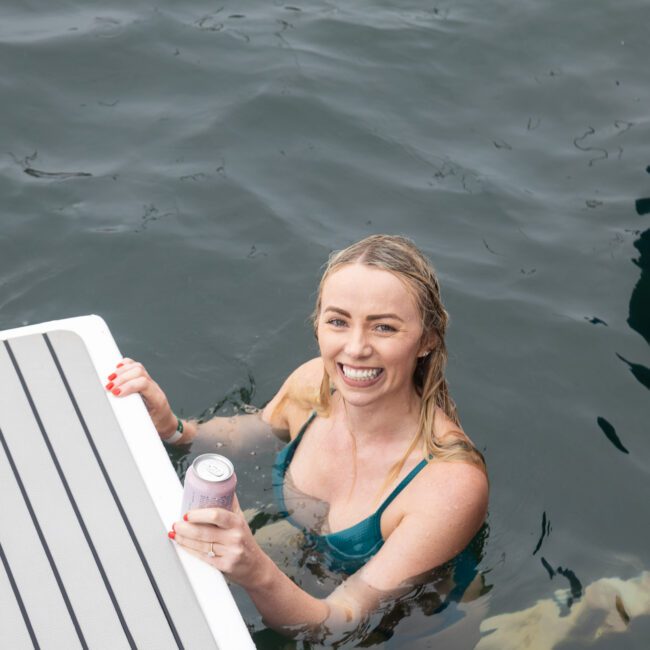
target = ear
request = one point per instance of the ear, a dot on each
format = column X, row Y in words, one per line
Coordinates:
column 428, row 345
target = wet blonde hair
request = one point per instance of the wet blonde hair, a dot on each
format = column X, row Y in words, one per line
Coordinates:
column 401, row 257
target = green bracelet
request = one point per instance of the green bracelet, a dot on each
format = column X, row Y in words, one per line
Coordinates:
column 178, row 434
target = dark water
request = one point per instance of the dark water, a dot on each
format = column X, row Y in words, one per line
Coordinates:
column 184, row 170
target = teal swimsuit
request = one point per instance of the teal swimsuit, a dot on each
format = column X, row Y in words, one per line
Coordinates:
column 346, row 550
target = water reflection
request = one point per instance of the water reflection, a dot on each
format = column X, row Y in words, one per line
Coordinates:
column 639, row 312
column 611, row 434
column 546, row 531
column 25, row 163
column 607, row 606
column 641, row 373
column 575, row 586
column 638, row 317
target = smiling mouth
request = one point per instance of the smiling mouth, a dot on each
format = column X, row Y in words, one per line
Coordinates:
column 360, row 375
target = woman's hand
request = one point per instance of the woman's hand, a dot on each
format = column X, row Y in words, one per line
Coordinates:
column 224, row 540
column 131, row 377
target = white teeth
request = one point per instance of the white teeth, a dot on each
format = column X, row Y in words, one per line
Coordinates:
column 355, row 373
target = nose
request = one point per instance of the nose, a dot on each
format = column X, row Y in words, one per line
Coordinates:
column 357, row 344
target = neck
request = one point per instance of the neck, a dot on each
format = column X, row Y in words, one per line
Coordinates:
column 393, row 422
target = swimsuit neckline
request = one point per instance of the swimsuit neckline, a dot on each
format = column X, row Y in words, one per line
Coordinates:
column 374, row 517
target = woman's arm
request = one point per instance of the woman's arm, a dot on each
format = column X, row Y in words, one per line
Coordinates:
column 132, row 377
column 282, row 416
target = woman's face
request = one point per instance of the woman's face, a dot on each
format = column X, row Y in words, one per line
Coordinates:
column 370, row 335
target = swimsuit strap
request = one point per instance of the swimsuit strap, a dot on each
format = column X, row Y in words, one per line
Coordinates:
column 281, row 464
column 402, row 484
column 286, row 455
column 305, row 426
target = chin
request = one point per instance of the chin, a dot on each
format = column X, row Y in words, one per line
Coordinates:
column 356, row 396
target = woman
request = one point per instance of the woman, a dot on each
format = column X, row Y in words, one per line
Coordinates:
column 392, row 485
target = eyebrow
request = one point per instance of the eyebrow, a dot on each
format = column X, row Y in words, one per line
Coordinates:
column 371, row 317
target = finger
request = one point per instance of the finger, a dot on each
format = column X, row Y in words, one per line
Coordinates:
column 122, row 386
column 119, row 381
column 129, row 372
column 215, row 516
column 122, row 364
column 139, row 385
column 114, row 377
column 218, row 562
column 201, row 547
column 126, row 361
column 200, row 532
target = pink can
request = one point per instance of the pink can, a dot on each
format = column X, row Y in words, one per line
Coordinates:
column 209, row 483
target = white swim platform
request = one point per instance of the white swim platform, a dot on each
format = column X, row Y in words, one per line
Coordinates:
column 87, row 495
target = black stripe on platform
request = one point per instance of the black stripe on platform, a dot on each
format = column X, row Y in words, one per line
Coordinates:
column 46, row 548
column 113, row 492
column 19, row 600
column 71, row 498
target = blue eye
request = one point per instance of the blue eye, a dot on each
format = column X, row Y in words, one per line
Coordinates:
column 382, row 327
column 336, row 322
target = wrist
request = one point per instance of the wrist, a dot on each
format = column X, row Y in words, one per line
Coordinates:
column 264, row 577
column 174, row 431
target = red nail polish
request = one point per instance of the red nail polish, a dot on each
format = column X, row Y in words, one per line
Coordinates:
column 119, row 365
column 111, row 377
column 116, row 391
column 109, row 385
column 185, row 517
column 171, row 534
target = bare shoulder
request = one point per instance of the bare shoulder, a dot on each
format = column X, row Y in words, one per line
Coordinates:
column 456, row 483
column 311, row 372
column 446, row 507
column 294, row 401
column 453, row 492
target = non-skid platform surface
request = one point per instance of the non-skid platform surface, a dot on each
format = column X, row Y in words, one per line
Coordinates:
column 84, row 556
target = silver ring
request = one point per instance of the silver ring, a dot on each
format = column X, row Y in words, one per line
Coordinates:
column 211, row 552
